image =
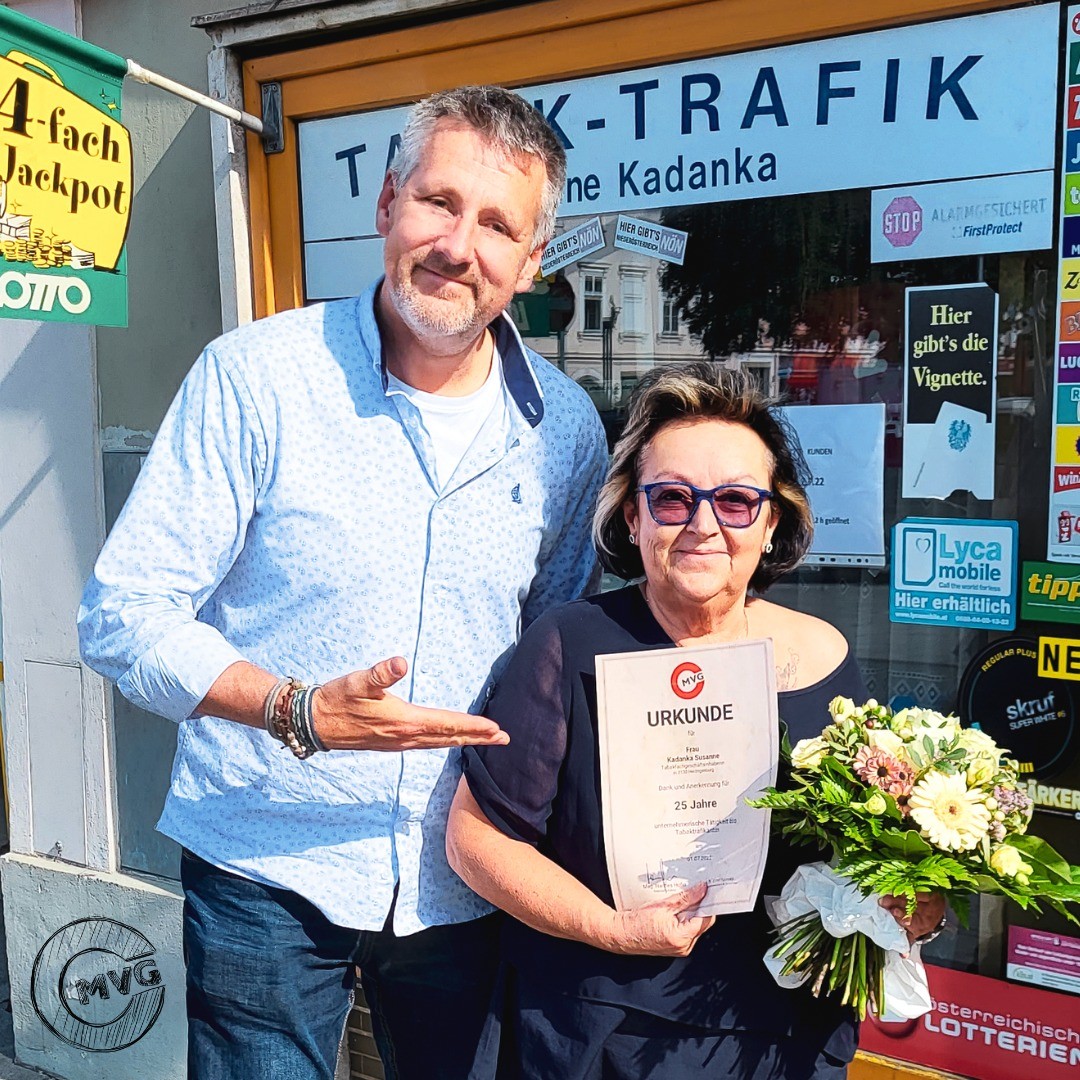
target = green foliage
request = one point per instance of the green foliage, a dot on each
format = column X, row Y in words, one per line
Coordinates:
column 834, row 793
column 905, row 877
column 1043, row 858
column 908, row 842
column 835, row 768
column 785, row 742
column 961, row 906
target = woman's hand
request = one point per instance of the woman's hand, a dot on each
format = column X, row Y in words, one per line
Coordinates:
column 929, row 911
column 661, row 928
column 516, row 877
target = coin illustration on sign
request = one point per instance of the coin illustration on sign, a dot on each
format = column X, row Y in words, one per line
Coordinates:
column 96, row 985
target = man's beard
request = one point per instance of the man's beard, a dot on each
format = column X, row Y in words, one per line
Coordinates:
column 431, row 316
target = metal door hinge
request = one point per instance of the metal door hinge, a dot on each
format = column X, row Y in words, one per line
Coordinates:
column 273, row 134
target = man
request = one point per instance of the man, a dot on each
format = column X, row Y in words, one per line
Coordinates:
column 366, row 494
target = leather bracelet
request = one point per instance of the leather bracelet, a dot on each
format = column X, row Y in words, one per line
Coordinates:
column 283, row 726
column 289, row 720
column 270, row 705
column 309, row 720
column 303, row 732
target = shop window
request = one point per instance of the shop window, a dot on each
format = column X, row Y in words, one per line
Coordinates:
column 592, row 302
column 815, row 322
column 787, row 289
column 746, row 229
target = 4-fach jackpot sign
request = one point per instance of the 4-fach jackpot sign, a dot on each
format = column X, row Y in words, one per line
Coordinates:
column 65, row 177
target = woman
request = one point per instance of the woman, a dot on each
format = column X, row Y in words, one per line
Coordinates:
column 704, row 498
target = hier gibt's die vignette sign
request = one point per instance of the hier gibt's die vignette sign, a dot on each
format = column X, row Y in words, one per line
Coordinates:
column 65, row 177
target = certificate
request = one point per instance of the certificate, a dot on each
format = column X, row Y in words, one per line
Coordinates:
column 686, row 737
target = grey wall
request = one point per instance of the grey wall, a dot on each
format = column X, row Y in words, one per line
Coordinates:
column 172, row 248
column 174, row 311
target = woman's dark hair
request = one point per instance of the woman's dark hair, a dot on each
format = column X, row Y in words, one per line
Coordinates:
column 705, row 391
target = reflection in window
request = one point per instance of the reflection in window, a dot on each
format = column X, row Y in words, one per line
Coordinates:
column 670, row 317
column 632, row 310
column 592, row 303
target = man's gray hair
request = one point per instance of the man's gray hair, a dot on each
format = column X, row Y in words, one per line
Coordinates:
column 502, row 118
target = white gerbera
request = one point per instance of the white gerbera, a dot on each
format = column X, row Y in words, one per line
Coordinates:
column 949, row 815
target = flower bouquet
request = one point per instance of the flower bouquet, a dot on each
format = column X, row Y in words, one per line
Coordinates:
column 909, row 803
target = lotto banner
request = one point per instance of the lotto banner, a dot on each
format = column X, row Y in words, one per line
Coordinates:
column 65, row 177
column 986, row 1028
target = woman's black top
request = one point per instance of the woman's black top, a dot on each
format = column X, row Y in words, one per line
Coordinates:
column 544, row 789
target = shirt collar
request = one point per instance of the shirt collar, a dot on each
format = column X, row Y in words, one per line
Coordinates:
column 521, row 380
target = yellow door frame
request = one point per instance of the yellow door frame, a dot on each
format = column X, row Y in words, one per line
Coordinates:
column 558, row 39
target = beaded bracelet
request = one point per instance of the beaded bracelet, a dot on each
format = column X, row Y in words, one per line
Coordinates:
column 929, row 936
column 281, row 726
column 289, row 719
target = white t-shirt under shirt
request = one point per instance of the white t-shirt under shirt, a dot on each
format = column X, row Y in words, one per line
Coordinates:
column 452, row 423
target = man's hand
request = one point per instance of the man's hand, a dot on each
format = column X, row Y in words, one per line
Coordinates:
column 929, row 911
column 355, row 712
column 661, row 928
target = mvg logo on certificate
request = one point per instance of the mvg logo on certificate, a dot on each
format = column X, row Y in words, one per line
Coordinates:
column 686, row 737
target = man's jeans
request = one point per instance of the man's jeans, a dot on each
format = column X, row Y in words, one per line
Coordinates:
column 269, row 983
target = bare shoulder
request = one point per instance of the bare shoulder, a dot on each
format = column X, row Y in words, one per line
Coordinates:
column 807, row 649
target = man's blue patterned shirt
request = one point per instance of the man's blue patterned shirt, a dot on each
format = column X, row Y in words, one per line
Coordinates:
column 287, row 515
